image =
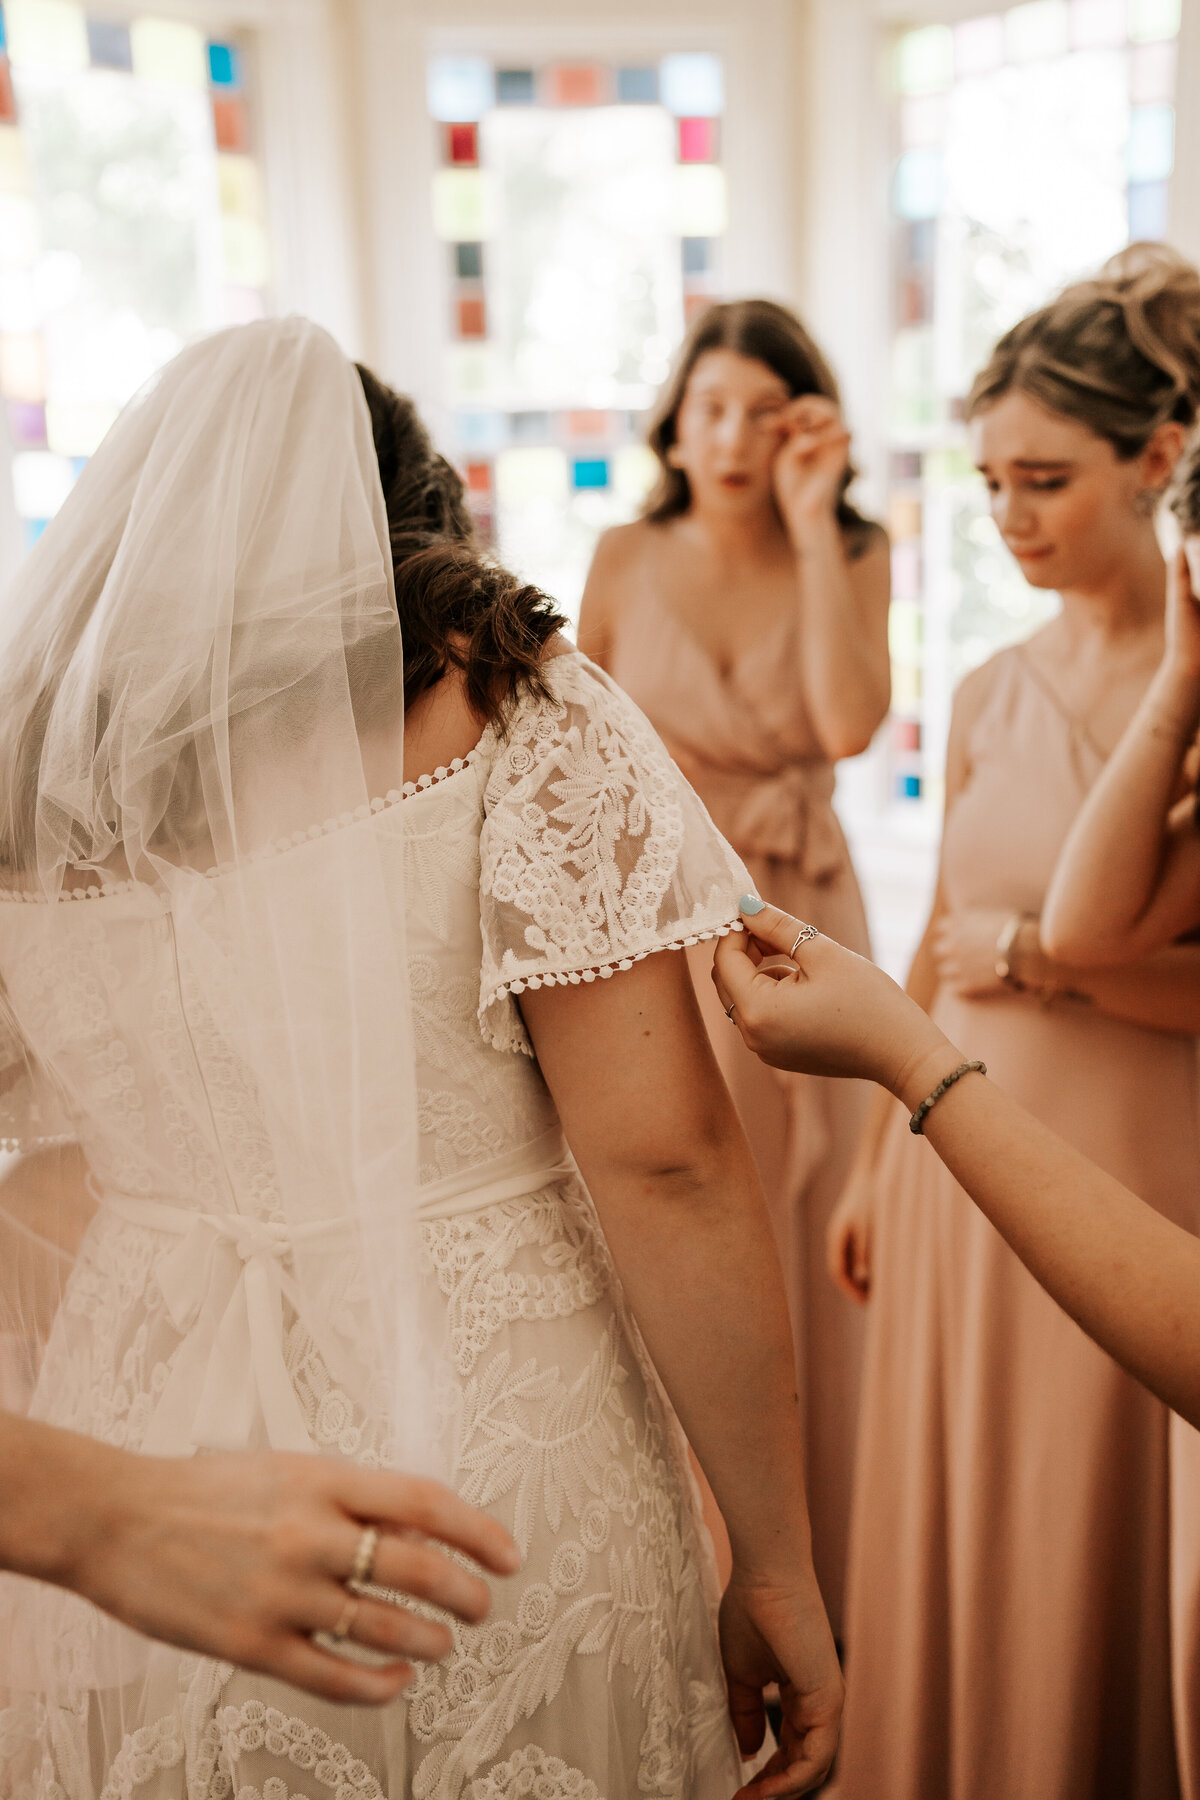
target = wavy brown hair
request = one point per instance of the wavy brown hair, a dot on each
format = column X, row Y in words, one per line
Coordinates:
column 1185, row 489
column 767, row 333
column 459, row 608
column 1119, row 353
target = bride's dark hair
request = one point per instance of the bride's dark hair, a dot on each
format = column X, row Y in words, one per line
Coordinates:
column 459, row 608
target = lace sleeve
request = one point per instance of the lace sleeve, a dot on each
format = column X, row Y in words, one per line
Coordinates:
column 594, row 852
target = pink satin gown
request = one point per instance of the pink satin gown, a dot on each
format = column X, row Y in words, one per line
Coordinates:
column 1016, row 1575
column 745, row 742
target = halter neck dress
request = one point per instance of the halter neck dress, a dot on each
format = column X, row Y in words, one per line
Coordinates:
column 1015, row 1576
column 745, row 742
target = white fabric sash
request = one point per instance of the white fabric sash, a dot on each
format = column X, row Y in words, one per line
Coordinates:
column 224, row 1284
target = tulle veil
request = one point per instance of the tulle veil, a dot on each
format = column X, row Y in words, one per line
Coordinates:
column 201, row 717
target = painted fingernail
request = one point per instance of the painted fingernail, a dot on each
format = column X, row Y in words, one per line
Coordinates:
column 750, row 903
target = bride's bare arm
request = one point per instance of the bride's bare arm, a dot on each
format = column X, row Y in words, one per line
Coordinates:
column 655, row 1134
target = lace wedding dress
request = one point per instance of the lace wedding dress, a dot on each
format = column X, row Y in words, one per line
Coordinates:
column 562, row 851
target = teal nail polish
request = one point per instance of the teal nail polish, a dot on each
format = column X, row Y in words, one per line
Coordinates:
column 751, row 904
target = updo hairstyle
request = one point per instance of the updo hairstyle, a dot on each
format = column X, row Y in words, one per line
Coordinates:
column 1119, row 353
column 459, row 609
column 1185, row 489
column 767, row 333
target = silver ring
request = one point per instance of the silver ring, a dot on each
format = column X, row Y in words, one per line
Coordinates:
column 805, row 934
column 364, row 1559
column 729, row 1009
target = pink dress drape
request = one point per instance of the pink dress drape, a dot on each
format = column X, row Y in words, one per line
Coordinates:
column 1010, row 1607
column 744, row 741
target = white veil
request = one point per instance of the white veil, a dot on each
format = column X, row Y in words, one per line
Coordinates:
column 201, row 710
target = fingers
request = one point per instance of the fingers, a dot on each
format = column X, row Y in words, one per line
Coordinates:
column 773, row 929
column 749, row 1716
column 848, row 1261
column 396, row 1631
column 412, row 1566
column 330, row 1677
column 412, row 1503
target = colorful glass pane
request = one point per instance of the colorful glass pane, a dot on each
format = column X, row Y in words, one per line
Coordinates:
column 701, row 202
column 1036, row 30
column 1148, row 210
column 224, row 66
column 27, row 423
column 479, row 477
column 166, row 50
column 231, row 124
column 692, row 85
column 460, row 205
column 1152, row 72
column 515, row 87
column 925, row 60
column 108, row 45
column 471, row 317
column 697, row 255
column 579, row 423
column 590, row 472
column 922, row 121
column 3, row 36
column 978, row 45
column 637, row 87
column 697, row 140
column 533, row 474
column 468, row 262
column 239, row 184
column 1151, row 142
column 919, row 184
column 461, row 88
column 8, row 103
column 47, row 34
column 1099, row 24
column 481, row 432
column 1151, row 19
column 635, row 470
column 462, row 144
column 577, row 84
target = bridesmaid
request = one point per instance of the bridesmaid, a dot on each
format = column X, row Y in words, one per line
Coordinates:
column 746, row 613
column 1009, row 1594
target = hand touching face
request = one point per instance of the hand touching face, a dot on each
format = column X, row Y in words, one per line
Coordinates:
column 811, row 463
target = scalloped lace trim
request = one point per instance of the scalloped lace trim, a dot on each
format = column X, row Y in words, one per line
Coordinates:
column 394, row 797
column 573, row 978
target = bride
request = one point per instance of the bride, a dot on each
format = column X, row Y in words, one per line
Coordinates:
column 324, row 947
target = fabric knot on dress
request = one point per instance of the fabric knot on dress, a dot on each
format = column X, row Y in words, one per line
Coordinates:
column 223, row 1286
column 788, row 816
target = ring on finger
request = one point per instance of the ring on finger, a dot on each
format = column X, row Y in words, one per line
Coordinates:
column 346, row 1618
column 729, row 1009
column 805, row 935
column 364, row 1560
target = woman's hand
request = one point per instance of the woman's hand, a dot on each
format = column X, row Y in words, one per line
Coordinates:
column 837, row 1015
column 810, row 464
column 1183, row 616
column 964, row 945
column 848, row 1237
column 244, row 1556
column 780, row 1633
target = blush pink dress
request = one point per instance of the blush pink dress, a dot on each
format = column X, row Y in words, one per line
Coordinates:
column 1009, row 1627
column 745, row 742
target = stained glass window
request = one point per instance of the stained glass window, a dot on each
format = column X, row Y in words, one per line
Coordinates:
column 131, row 219
column 583, row 207
column 1030, row 144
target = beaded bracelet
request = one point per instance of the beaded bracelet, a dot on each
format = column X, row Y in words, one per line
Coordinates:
column 968, row 1068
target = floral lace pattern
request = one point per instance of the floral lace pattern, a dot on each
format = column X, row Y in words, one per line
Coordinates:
column 568, row 846
column 594, row 854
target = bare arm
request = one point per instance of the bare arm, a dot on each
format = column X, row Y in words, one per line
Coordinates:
column 599, row 610
column 845, row 661
column 1128, row 1276
column 243, row 1556
column 1128, row 880
column 656, row 1137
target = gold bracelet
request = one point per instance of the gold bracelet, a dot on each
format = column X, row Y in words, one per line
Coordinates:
column 930, row 1101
